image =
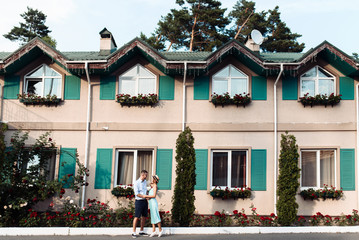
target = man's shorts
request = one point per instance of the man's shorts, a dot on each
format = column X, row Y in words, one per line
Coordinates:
column 141, row 208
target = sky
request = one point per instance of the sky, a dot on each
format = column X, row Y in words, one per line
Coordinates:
column 76, row 24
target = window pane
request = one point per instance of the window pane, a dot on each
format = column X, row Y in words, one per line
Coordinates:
column 238, row 169
column 144, row 162
column 326, row 86
column 311, row 73
column 125, row 168
column 128, row 86
column 308, row 86
column 34, row 86
column 322, row 73
column 223, row 73
column 239, row 86
column 236, row 73
column 37, row 73
column 309, row 169
column 52, row 86
column 220, row 168
column 144, row 72
column 50, row 72
column 146, row 85
column 130, row 73
column 220, row 86
column 327, row 175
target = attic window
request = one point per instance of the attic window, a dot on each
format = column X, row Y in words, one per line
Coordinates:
column 230, row 80
column 317, row 81
column 137, row 80
column 43, row 81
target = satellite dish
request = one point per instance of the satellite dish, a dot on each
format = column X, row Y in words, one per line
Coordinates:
column 257, row 36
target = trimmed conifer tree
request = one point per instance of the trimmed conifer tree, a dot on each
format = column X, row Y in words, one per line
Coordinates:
column 183, row 199
column 288, row 182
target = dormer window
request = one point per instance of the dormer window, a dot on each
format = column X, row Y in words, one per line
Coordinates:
column 317, row 81
column 43, row 81
column 230, row 80
column 137, row 80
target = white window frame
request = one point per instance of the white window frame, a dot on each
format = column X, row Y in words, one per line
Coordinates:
column 135, row 152
column 229, row 79
column 27, row 77
column 318, row 167
column 229, row 173
column 136, row 78
column 316, row 80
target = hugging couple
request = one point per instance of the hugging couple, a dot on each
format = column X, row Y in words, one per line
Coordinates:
column 142, row 200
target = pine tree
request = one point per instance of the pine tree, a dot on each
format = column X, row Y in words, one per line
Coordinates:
column 34, row 26
column 154, row 41
column 288, row 182
column 183, row 199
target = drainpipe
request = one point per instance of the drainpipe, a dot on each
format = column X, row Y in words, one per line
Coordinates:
column 276, row 138
column 184, row 97
column 357, row 133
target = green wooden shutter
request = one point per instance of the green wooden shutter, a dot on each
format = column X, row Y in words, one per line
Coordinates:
column 201, row 169
column 259, row 169
column 290, row 88
column 108, row 88
column 67, row 163
column 72, row 87
column 201, row 88
column 164, row 168
column 11, row 87
column 103, row 168
column 166, row 88
column 346, row 86
column 347, row 169
column 259, row 88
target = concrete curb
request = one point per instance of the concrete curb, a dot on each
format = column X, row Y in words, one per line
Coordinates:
column 66, row 231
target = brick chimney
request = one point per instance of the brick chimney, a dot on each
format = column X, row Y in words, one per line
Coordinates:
column 107, row 42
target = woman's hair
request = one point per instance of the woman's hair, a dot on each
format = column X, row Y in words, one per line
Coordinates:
column 156, row 178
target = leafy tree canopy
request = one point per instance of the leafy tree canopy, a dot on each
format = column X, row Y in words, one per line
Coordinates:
column 34, row 26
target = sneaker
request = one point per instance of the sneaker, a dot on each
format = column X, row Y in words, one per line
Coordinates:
column 134, row 235
column 152, row 234
column 143, row 234
column 160, row 233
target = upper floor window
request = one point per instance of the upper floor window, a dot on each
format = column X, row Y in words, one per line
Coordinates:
column 230, row 80
column 318, row 168
column 43, row 81
column 317, row 81
column 137, row 80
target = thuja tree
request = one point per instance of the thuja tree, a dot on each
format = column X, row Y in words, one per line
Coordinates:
column 183, row 198
column 25, row 177
column 288, row 182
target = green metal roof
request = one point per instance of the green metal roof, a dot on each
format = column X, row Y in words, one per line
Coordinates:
column 186, row 56
column 284, row 57
column 4, row 55
column 79, row 56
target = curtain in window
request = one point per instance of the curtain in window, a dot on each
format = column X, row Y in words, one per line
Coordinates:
column 327, row 168
column 238, row 173
column 326, row 86
column 309, row 169
column 125, row 168
column 144, row 162
column 220, row 85
column 308, row 86
column 220, row 169
column 146, row 85
column 52, row 86
column 239, row 86
column 128, row 86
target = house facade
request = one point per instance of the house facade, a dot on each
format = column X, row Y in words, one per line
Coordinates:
column 235, row 145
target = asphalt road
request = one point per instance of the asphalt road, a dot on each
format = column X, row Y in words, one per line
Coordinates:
column 301, row 236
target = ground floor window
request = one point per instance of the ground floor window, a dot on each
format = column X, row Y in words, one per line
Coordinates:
column 48, row 164
column 129, row 164
column 229, row 168
column 318, row 168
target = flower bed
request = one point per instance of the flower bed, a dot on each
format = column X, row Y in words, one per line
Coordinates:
column 225, row 99
column 123, row 191
column 139, row 100
column 33, row 99
column 325, row 193
column 227, row 193
column 320, row 99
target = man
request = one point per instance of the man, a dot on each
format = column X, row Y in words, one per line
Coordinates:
column 141, row 205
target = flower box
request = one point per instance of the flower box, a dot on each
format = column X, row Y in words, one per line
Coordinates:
column 227, row 193
column 125, row 191
column 139, row 100
column 33, row 99
column 320, row 99
column 226, row 99
column 325, row 193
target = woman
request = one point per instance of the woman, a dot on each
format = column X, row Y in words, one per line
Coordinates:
column 152, row 202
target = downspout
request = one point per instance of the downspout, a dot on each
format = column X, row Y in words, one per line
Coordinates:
column 276, row 138
column 184, row 97
column 357, row 133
